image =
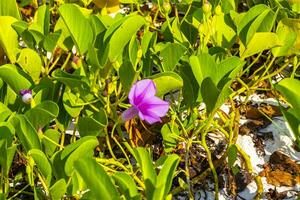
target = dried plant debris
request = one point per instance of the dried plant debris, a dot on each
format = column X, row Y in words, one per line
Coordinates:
column 281, row 170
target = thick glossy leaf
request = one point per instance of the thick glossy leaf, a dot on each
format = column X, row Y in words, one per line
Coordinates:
column 225, row 35
column 209, row 93
column 127, row 75
column 76, row 82
column 7, row 132
column 127, row 185
column 31, row 63
column 5, row 112
column 50, row 146
column 42, row 163
column 171, row 55
column 123, row 34
column 165, row 177
column 96, row 179
column 287, row 34
column 144, row 160
column 72, row 103
column 9, row 8
column 14, row 78
column 65, row 40
column 203, row 66
column 9, row 37
column 291, row 116
column 289, row 88
column 7, row 155
column 261, row 41
column 86, row 149
column 190, row 90
column 246, row 21
column 166, row 82
column 58, row 189
column 41, row 20
column 42, row 114
column 78, row 26
column 92, row 125
column 26, row 133
column 41, row 24
column 51, row 40
column 228, row 69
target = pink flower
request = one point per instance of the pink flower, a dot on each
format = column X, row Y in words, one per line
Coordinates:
column 144, row 103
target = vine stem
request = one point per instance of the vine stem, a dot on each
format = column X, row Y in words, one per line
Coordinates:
column 187, row 168
column 209, row 158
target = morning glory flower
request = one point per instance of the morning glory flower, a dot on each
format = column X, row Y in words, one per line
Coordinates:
column 26, row 96
column 144, row 103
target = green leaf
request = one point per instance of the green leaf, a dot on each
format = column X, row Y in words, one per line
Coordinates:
column 14, row 78
column 256, row 24
column 86, row 149
column 31, row 63
column 65, row 40
column 225, row 36
column 144, row 160
column 203, row 66
column 171, row 55
column 75, row 82
column 127, row 75
column 289, row 88
column 166, row 82
column 261, row 41
column 232, row 155
column 51, row 40
column 165, row 177
column 42, row 163
column 9, row 38
column 41, row 20
column 7, row 155
column 41, row 24
column 72, row 103
column 48, row 146
column 9, row 8
column 209, row 93
column 96, row 179
column 26, row 133
column 7, row 132
column 123, row 34
column 78, row 26
column 190, row 90
column 42, row 114
column 58, row 189
column 92, row 125
column 126, row 185
column 287, row 34
column 247, row 19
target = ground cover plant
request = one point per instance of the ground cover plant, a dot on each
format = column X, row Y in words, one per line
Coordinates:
column 123, row 99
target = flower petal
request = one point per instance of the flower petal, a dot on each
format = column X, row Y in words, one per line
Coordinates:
column 141, row 90
column 154, row 105
column 129, row 113
column 151, row 118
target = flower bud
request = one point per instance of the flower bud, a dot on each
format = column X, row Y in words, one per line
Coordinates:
column 26, row 96
column 218, row 10
column 206, row 7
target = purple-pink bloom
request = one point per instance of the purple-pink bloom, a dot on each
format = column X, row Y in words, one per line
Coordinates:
column 144, row 103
